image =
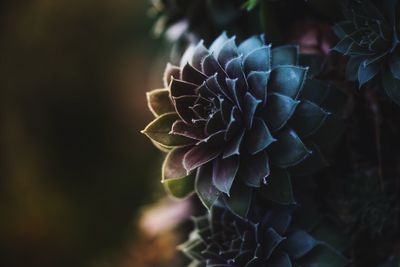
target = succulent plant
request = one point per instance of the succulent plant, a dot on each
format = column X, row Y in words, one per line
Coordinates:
column 221, row 238
column 369, row 37
column 241, row 116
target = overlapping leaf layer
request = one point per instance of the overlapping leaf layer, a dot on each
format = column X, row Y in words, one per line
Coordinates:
column 240, row 116
column 223, row 239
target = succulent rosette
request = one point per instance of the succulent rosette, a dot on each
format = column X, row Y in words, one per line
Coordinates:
column 240, row 117
column 221, row 238
column 369, row 37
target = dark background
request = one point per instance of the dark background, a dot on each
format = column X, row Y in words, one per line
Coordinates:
column 74, row 169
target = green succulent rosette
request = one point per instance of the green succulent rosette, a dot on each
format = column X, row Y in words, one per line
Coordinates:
column 369, row 37
column 221, row 239
column 234, row 119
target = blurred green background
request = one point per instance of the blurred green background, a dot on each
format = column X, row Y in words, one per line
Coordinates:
column 74, row 169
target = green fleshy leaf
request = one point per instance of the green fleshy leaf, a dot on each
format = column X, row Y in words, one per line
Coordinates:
column 240, row 200
column 159, row 131
column 279, row 187
column 288, row 150
column 159, row 102
column 392, row 87
column 204, row 187
column 173, row 164
column 324, row 256
column 285, row 55
column 287, row 80
column 180, row 188
column 307, row 118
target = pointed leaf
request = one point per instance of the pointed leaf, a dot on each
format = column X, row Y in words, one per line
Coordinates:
column 250, row 44
column 180, row 188
column 278, row 110
column 240, row 199
column 159, row 131
column 250, row 105
column 159, row 102
column 259, row 137
column 258, row 60
column 187, row 56
column 192, row 75
column 171, row 72
column 233, row 146
column 287, row 80
column 224, row 172
column 205, row 189
column 288, row 150
column 181, row 88
column 307, row 118
column 227, row 52
column 254, row 169
column 187, row 130
column 217, row 45
column 258, row 81
column 200, row 155
column 200, row 52
column 173, row 164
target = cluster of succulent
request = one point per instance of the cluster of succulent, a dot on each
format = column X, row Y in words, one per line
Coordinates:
column 247, row 126
column 222, row 238
column 370, row 37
